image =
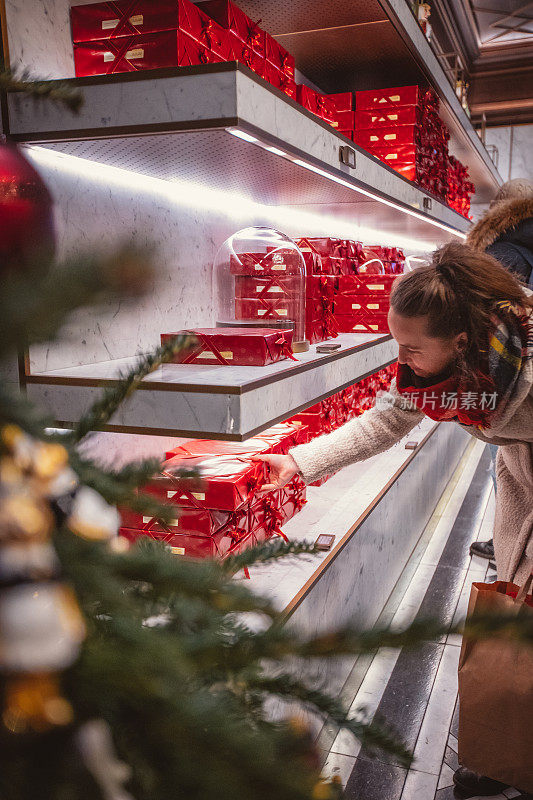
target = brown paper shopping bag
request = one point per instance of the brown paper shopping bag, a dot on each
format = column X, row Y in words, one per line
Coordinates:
column 496, row 692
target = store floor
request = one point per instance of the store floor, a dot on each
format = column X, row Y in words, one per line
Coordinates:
column 416, row 691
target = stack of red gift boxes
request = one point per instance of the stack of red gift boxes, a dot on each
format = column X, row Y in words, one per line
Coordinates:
column 267, row 285
column 130, row 35
column 348, row 286
column 402, row 127
column 460, row 187
column 221, row 512
column 334, row 411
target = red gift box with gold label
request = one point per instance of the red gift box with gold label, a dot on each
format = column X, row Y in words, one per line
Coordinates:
column 277, row 261
column 369, row 285
column 220, row 544
column 235, row 346
column 385, row 117
column 345, row 120
column 396, row 96
column 362, row 322
column 390, row 137
column 315, row 102
column 280, row 58
column 350, row 303
column 111, row 20
column 231, row 17
column 277, row 286
column 226, row 481
column 266, row 307
column 135, row 53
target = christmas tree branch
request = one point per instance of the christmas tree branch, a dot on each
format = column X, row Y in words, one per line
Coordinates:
column 101, row 412
column 33, row 306
column 54, row 91
column 275, row 549
column 372, row 734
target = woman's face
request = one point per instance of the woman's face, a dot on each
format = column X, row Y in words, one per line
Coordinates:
column 425, row 355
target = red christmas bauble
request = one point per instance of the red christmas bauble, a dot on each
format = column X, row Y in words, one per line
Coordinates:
column 27, row 235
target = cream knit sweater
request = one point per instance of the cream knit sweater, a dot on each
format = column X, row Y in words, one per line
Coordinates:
column 389, row 421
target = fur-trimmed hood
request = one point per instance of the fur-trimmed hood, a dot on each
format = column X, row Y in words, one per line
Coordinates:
column 503, row 218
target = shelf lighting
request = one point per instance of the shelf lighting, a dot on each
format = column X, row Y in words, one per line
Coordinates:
column 337, row 179
column 243, row 210
column 242, row 135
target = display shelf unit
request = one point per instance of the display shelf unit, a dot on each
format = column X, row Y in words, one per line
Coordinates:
column 213, row 402
column 371, row 44
column 223, row 127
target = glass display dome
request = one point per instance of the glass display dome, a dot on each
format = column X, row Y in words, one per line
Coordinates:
column 259, row 281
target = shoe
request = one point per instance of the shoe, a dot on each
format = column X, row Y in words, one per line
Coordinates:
column 483, row 550
column 470, row 784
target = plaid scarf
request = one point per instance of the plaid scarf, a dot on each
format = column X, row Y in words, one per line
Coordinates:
column 510, row 344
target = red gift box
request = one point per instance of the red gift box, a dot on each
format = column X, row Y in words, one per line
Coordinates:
column 362, row 322
column 280, row 58
column 313, row 262
column 231, row 17
column 342, row 101
column 376, row 118
column 390, row 137
column 110, row 20
column 325, row 246
column 367, row 285
column 279, row 79
column 315, row 102
column 345, row 120
column 247, row 56
column 333, row 265
column 266, row 307
column 277, row 439
column 226, row 481
column 349, row 303
column 133, row 53
column 277, row 261
column 219, row 545
column 287, row 286
column 395, row 96
column 235, row 346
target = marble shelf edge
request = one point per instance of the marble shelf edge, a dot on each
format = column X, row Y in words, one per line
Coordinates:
column 210, row 98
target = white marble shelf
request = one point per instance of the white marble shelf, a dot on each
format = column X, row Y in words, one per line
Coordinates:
column 216, row 402
column 175, row 125
column 376, row 510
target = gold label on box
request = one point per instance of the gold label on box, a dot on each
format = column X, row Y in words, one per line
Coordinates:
column 138, row 52
column 138, row 19
column 372, row 305
column 376, row 287
column 171, row 494
column 198, row 495
column 391, row 156
column 109, row 56
column 391, row 136
column 258, row 268
column 279, row 267
column 394, row 98
column 374, row 138
column 281, row 312
column 227, row 354
column 393, row 117
column 177, row 551
column 147, row 519
column 356, row 305
column 334, row 124
column 174, row 522
column 107, row 24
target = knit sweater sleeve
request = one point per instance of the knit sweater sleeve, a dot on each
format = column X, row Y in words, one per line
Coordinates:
column 373, row 432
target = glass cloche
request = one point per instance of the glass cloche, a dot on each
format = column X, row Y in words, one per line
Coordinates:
column 259, row 279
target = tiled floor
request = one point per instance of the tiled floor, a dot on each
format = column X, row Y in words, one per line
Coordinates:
column 416, row 691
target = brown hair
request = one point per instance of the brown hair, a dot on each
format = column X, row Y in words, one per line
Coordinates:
column 457, row 291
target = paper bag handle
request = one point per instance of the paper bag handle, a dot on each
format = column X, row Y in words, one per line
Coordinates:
column 524, row 589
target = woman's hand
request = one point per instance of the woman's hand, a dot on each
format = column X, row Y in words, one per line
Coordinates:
column 281, row 470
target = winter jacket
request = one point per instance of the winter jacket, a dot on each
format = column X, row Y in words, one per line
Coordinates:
column 506, row 232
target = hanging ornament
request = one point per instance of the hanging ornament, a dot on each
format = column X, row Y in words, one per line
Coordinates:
column 27, row 237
